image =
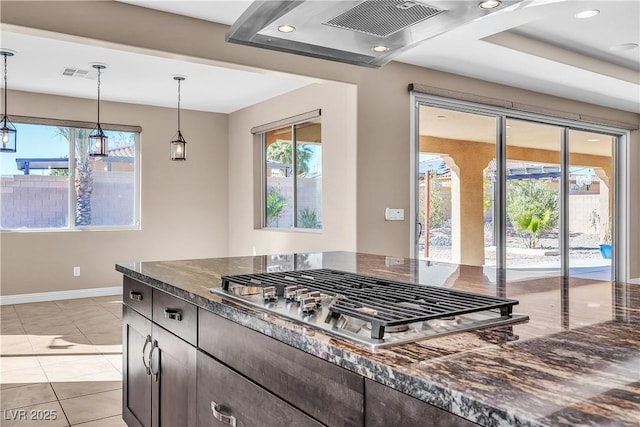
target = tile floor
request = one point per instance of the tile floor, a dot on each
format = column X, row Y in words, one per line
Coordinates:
column 61, row 363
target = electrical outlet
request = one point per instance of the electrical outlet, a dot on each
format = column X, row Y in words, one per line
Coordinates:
column 76, row 271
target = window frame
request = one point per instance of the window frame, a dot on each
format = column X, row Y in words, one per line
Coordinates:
column 292, row 123
column 487, row 106
column 73, row 125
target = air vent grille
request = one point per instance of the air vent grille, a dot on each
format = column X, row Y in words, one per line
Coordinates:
column 77, row 72
column 383, row 17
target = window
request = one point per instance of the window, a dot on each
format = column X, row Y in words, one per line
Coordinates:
column 52, row 183
column 293, row 184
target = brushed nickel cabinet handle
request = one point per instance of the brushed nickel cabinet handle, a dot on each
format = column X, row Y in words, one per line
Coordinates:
column 147, row 341
column 223, row 418
column 136, row 296
column 172, row 314
column 156, row 374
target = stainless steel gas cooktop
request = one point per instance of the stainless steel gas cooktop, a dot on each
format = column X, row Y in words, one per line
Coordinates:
column 368, row 310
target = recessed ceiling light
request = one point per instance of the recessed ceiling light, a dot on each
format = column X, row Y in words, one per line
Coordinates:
column 593, row 140
column 587, row 14
column 624, row 46
column 489, row 4
column 286, row 28
column 380, row 48
column 508, row 126
column 441, row 117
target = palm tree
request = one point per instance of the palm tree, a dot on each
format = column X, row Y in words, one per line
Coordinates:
column 281, row 152
column 83, row 182
column 533, row 224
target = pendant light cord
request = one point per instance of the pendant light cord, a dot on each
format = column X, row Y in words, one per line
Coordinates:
column 5, row 85
column 99, row 70
column 179, row 81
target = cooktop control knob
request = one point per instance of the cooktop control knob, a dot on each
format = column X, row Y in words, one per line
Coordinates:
column 269, row 294
column 290, row 292
column 316, row 295
column 307, row 305
column 301, row 294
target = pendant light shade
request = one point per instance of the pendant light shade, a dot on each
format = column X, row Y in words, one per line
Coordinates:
column 8, row 130
column 97, row 138
column 178, row 145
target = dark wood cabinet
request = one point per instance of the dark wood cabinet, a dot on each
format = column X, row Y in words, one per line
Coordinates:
column 173, row 366
column 138, row 296
column 159, row 368
column 136, row 382
column 387, row 407
column 176, row 316
column 227, row 398
column 327, row 392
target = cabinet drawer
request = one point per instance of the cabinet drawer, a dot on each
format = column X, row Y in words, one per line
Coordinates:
column 227, row 398
column 388, row 407
column 176, row 315
column 328, row 393
column 137, row 295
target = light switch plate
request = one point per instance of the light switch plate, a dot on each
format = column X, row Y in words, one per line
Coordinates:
column 390, row 261
column 391, row 214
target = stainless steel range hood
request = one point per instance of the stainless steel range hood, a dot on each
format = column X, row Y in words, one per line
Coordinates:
column 349, row 31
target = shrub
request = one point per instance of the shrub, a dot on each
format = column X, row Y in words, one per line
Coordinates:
column 532, row 207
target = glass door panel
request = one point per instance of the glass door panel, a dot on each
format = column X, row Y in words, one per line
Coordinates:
column 590, row 204
column 533, row 197
column 454, row 203
column 309, row 175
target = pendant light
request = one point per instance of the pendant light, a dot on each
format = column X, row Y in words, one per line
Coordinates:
column 8, row 130
column 97, row 138
column 178, row 145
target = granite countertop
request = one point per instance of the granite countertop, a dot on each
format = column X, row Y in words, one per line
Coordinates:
column 575, row 363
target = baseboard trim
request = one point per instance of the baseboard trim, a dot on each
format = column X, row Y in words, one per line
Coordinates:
column 59, row 295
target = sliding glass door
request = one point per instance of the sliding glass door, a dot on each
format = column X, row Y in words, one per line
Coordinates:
column 591, row 204
column 529, row 193
column 456, row 173
column 532, row 185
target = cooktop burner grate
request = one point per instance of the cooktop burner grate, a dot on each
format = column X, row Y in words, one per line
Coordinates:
column 383, row 303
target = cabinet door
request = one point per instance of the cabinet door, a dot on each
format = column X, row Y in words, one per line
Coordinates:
column 327, row 392
column 136, row 383
column 228, row 398
column 386, row 407
column 174, row 380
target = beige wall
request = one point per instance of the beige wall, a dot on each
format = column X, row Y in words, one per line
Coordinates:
column 337, row 102
column 184, row 212
column 383, row 126
column 383, row 103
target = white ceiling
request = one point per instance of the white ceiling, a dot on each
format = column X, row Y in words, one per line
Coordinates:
column 136, row 78
column 537, row 45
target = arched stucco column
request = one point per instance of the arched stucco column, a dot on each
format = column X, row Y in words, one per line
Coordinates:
column 467, row 207
column 467, row 161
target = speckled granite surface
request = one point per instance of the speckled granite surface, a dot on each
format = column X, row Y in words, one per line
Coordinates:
column 575, row 363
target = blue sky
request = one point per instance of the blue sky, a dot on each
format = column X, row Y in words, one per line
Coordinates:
column 34, row 141
column 41, row 141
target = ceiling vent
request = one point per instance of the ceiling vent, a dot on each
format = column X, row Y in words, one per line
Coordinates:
column 383, row 18
column 77, row 72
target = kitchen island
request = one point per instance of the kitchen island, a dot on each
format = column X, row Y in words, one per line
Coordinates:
column 575, row 362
